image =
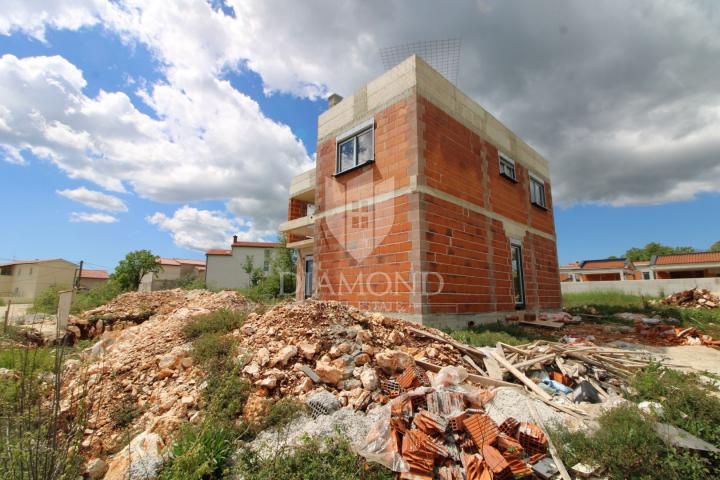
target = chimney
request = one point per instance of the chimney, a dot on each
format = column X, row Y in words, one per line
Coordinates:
column 234, row 238
column 334, row 99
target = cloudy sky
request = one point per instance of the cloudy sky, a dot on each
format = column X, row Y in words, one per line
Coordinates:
column 174, row 124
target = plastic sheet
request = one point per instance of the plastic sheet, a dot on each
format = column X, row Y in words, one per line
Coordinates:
column 449, row 376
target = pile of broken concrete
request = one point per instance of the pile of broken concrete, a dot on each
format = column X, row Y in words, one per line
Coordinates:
column 295, row 348
column 693, row 298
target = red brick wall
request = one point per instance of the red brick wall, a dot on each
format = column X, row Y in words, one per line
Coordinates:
column 468, row 249
column 377, row 276
column 296, row 209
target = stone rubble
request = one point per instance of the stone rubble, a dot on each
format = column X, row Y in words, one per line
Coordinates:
column 145, row 368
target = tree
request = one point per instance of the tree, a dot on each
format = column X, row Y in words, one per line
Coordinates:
column 715, row 247
column 133, row 267
column 643, row 254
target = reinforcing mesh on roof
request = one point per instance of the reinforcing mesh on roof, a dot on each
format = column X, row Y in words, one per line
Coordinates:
column 442, row 55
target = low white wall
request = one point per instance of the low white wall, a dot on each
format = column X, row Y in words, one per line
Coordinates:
column 653, row 288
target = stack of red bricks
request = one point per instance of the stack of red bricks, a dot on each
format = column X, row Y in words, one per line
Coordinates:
column 444, row 433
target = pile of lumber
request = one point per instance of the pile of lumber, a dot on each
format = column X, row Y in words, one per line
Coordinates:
column 561, row 375
column 693, row 298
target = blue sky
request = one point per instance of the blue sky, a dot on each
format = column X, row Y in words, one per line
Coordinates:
column 226, row 113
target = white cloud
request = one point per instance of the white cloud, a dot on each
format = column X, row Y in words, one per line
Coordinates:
column 626, row 112
column 92, row 217
column 203, row 229
column 94, row 199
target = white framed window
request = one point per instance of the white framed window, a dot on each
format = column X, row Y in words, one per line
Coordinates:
column 537, row 192
column 355, row 147
column 507, row 167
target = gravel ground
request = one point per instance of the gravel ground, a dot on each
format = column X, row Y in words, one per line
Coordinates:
column 512, row 402
column 345, row 421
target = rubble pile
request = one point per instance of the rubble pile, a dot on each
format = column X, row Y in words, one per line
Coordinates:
column 693, row 298
column 130, row 309
column 653, row 329
column 142, row 379
column 443, row 431
column 295, row 347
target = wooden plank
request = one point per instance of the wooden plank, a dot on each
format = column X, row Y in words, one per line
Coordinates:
column 553, row 452
column 480, row 380
column 493, row 368
column 463, row 348
column 561, row 365
column 521, row 376
column 543, row 323
column 472, row 363
column 532, row 361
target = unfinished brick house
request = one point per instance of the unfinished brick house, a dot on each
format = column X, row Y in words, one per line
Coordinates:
column 424, row 205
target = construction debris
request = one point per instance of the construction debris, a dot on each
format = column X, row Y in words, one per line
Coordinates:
column 693, row 298
column 142, row 375
column 442, row 431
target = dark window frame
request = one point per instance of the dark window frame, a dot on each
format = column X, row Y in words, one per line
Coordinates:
column 352, row 136
column 516, row 247
column 542, row 200
column 506, row 163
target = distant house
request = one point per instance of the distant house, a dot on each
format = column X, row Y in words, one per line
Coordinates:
column 90, row 279
column 225, row 267
column 174, row 271
column 686, row 265
column 607, row 269
column 22, row 280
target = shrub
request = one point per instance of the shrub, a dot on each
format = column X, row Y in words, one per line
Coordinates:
column 124, row 412
column 88, row 299
column 221, row 321
column 283, row 412
column 331, row 457
column 200, row 452
column 213, row 351
column 47, row 300
column 37, row 442
column 226, row 395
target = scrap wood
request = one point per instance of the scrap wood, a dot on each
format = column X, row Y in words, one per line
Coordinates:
column 535, row 360
column 480, row 380
column 542, row 323
column 472, row 363
column 553, row 452
column 459, row 346
column 493, row 368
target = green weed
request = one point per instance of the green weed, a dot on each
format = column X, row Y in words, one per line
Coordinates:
column 200, row 452
column 221, row 321
column 315, row 458
column 491, row 333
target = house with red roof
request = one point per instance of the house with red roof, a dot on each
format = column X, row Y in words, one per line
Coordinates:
column 225, row 268
column 607, row 269
column 174, row 272
column 685, row 265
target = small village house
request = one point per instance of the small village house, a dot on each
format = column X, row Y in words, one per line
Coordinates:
column 173, row 272
column 23, row 280
column 90, row 279
column 607, row 269
column 225, row 268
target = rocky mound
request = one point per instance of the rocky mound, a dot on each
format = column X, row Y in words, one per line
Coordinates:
column 296, row 347
column 141, row 379
column 693, row 298
column 132, row 308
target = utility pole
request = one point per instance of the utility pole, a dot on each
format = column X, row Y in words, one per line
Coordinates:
column 79, row 275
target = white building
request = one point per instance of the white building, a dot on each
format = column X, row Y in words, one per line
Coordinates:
column 225, row 267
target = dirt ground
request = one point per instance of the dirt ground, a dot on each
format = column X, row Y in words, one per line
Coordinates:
column 697, row 357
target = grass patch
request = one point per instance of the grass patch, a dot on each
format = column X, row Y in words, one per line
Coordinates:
column 626, row 443
column 42, row 358
column 315, row 458
column 221, row 321
column 488, row 335
column 283, row 412
column 213, row 351
column 688, row 403
column 124, row 412
column 609, row 303
column 200, row 452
